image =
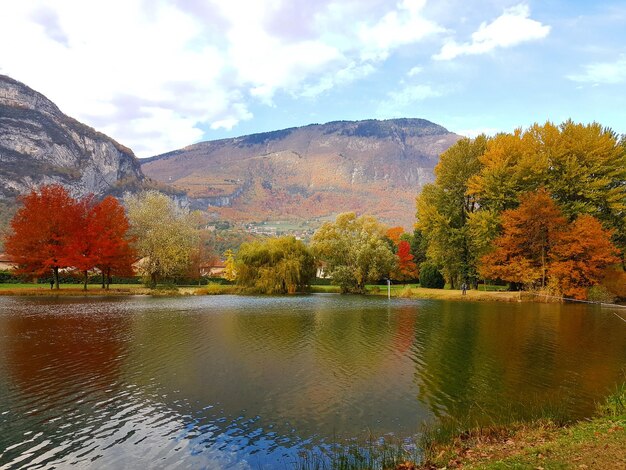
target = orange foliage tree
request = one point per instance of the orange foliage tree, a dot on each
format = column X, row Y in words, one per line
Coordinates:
column 394, row 234
column 43, row 230
column 537, row 244
column 580, row 255
column 530, row 232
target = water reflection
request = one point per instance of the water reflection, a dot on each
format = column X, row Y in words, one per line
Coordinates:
column 517, row 358
column 233, row 382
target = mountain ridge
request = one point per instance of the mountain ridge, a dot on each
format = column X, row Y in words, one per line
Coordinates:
column 39, row 144
column 309, row 172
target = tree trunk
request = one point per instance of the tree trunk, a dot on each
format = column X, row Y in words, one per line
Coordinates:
column 153, row 280
column 56, row 277
column 85, row 279
column 103, row 277
column 108, row 278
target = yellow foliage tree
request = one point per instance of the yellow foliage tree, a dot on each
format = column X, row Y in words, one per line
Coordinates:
column 166, row 235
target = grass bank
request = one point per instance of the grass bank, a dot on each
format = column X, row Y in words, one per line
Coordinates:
column 415, row 292
column 71, row 290
column 595, row 443
column 403, row 291
column 545, row 443
column 76, row 290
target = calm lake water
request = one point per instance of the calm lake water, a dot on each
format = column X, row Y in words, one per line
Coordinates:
column 248, row 382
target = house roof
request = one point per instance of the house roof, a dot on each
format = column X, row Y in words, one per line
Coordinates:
column 4, row 258
column 215, row 264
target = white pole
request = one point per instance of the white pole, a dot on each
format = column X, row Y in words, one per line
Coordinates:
column 389, row 289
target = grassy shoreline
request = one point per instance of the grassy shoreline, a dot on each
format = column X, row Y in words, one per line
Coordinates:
column 598, row 442
column 400, row 291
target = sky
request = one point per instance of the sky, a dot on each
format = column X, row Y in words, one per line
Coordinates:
column 158, row 75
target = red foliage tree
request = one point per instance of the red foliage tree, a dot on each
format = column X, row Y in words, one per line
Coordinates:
column 406, row 266
column 112, row 250
column 53, row 231
column 43, row 230
column 82, row 244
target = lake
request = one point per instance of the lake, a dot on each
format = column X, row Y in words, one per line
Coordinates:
column 248, row 382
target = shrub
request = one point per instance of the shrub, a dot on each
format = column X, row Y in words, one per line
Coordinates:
column 431, row 277
column 600, row 294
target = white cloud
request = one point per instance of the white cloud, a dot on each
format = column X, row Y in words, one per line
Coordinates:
column 401, row 26
column 414, row 71
column 513, row 27
column 603, row 72
column 154, row 75
column 398, row 102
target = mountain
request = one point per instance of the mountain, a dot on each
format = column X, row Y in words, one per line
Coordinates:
column 311, row 172
column 41, row 145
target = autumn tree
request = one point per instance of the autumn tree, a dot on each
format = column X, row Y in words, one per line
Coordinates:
column 83, row 242
column 406, row 267
column 579, row 256
column 394, row 234
column 230, row 270
column 165, row 234
column 275, row 266
column 354, row 250
column 201, row 256
column 582, row 166
column 530, row 232
column 113, row 251
column 42, row 231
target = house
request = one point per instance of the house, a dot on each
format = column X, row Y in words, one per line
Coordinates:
column 7, row 263
column 214, row 269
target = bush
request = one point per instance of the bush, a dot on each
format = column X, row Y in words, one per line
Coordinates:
column 7, row 277
column 431, row 277
column 600, row 294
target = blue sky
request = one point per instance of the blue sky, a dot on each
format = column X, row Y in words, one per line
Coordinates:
column 162, row 74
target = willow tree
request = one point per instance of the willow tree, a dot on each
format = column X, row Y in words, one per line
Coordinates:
column 165, row 234
column 275, row 266
column 355, row 250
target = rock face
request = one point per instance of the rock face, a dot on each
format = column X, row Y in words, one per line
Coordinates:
column 41, row 145
column 310, row 172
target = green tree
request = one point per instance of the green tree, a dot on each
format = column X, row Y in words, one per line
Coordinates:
column 430, row 277
column 355, row 251
column 165, row 234
column 444, row 208
column 275, row 266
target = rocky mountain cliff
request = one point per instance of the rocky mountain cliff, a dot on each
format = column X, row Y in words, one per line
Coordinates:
column 41, row 145
column 310, row 172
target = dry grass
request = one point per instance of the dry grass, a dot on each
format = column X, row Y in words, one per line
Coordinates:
column 457, row 295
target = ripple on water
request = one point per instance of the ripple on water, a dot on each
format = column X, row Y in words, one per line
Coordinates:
column 240, row 382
